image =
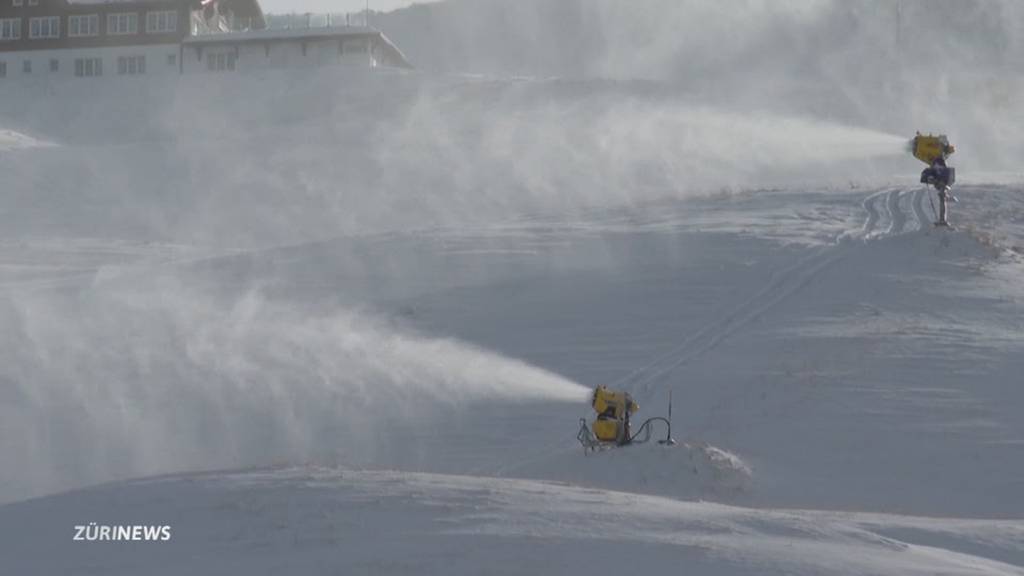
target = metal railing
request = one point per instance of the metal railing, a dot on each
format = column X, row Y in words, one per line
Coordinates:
column 313, row 20
column 292, row 21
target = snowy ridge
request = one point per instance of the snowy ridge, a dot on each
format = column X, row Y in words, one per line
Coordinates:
column 688, row 470
column 302, row 519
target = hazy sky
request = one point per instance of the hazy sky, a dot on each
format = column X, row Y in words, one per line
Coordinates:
column 333, row 5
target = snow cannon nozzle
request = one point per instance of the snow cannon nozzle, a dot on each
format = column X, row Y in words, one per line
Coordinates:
column 930, row 148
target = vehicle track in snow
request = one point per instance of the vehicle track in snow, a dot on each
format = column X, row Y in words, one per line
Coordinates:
column 885, row 218
column 870, row 206
column 895, row 211
column 923, row 222
column 897, row 218
column 781, row 285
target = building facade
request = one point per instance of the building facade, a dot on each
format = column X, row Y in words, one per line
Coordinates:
column 91, row 38
column 269, row 49
column 109, row 38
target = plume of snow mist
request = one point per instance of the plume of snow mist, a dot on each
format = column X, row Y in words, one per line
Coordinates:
column 104, row 386
column 444, row 152
column 12, row 140
column 865, row 62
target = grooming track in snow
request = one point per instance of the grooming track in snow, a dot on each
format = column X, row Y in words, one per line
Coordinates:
column 885, row 218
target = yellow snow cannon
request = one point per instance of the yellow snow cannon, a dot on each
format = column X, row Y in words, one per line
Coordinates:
column 930, row 148
column 613, row 411
column 933, row 151
column 611, row 426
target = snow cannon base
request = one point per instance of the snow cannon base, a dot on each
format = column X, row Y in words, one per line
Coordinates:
column 941, row 177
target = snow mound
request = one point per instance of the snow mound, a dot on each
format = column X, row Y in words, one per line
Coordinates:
column 689, row 470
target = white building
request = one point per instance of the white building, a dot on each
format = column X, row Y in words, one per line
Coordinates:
column 289, row 48
column 42, row 39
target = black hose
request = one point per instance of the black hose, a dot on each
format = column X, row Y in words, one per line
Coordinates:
column 647, row 426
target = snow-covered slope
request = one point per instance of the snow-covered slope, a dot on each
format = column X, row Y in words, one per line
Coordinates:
column 834, row 345
column 316, row 521
column 386, row 296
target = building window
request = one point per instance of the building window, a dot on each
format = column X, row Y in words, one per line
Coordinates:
column 54, row 65
column 26, row 67
column 123, row 23
column 16, row 3
column 3, row 69
column 44, row 27
column 161, row 22
column 10, row 28
column 172, row 59
column 220, row 61
column 33, row 2
column 88, row 67
column 131, row 65
column 86, row 25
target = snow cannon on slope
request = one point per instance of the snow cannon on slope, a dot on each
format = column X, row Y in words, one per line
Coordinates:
column 933, row 151
column 611, row 427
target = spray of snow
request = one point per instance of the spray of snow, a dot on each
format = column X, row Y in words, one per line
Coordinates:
column 445, row 152
column 103, row 384
column 118, row 382
column 121, row 384
column 12, row 140
column 879, row 63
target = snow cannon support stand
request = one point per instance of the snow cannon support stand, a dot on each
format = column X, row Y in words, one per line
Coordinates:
column 933, row 151
column 611, row 427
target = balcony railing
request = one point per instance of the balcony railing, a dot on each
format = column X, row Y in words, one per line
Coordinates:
column 310, row 20
column 229, row 23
